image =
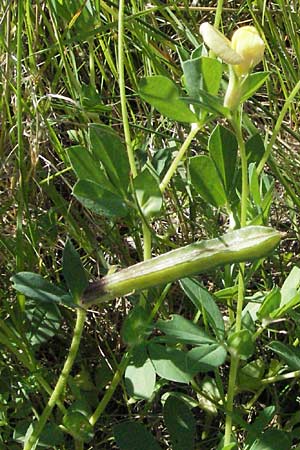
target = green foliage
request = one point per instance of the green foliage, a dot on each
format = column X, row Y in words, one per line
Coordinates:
column 180, row 423
column 73, row 271
column 164, row 95
column 134, row 436
column 67, row 178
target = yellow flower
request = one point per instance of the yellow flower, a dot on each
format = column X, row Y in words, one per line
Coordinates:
column 250, row 46
column 243, row 52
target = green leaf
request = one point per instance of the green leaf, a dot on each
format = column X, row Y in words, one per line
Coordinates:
column 255, row 149
column 270, row 304
column 272, row 440
column 50, row 436
column 107, row 147
column 254, row 185
column 289, row 354
column 85, row 165
column 136, row 326
column 209, row 103
column 134, row 436
column 240, row 343
column 78, row 426
column 250, row 375
column 290, row 295
column 230, row 446
column 180, row 330
column 96, row 198
column 44, row 319
column 202, row 73
column 206, row 181
column 206, row 358
column 256, row 428
column 148, row 193
column 36, row 287
column 140, row 375
column 252, row 83
column 290, row 286
column 223, row 147
column 180, row 423
column 202, row 299
column 164, row 96
column 170, row 363
column 73, row 271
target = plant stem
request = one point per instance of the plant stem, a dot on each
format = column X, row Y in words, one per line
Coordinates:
column 61, row 383
column 110, row 391
column 122, row 89
column 147, row 241
column 218, row 13
column 173, row 167
column 236, row 124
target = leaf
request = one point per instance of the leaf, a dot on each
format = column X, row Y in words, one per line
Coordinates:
column 255, row 149
column 85, row 165
column 254, row 185
column 148, row 193
column 44, row 319
column 202, row 73
column 250, row 375
column 206, row 181
column 272, row 440
column 140, row 375
column 223, row 147
column 136, row 326
column 210, row 103
column 206, row 358
column 107, row 147
column 134, row 436
column 289, row 354
column 256, row 428
column 270, row 304
column 164, row 96
column 252, row 83
column 78, row 426
column 170, row 363
column 290, row 295
column 98, row 199
column 49, row 437
column 290, row 286
column 180, row 330
column 74, row 273
column 180, row 423
column 36, row 287
column 240, row 343
column 202, row 299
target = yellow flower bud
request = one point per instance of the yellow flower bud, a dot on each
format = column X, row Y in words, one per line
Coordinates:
column 219, row 44
column 250, row 46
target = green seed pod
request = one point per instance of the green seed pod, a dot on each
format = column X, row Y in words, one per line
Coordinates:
column 245, row 244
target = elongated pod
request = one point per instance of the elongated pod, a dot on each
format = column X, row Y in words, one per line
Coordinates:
column 236, row 246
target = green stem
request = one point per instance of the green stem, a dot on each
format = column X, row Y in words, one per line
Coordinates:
column 122, row 89
column 173, row 167
column 147, row 241
column 285, row 376
column 110, row 391
column 61, row 383
column 218, row 15
column 236, row 124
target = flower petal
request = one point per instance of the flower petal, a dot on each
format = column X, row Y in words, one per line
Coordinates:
column 219, row 44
